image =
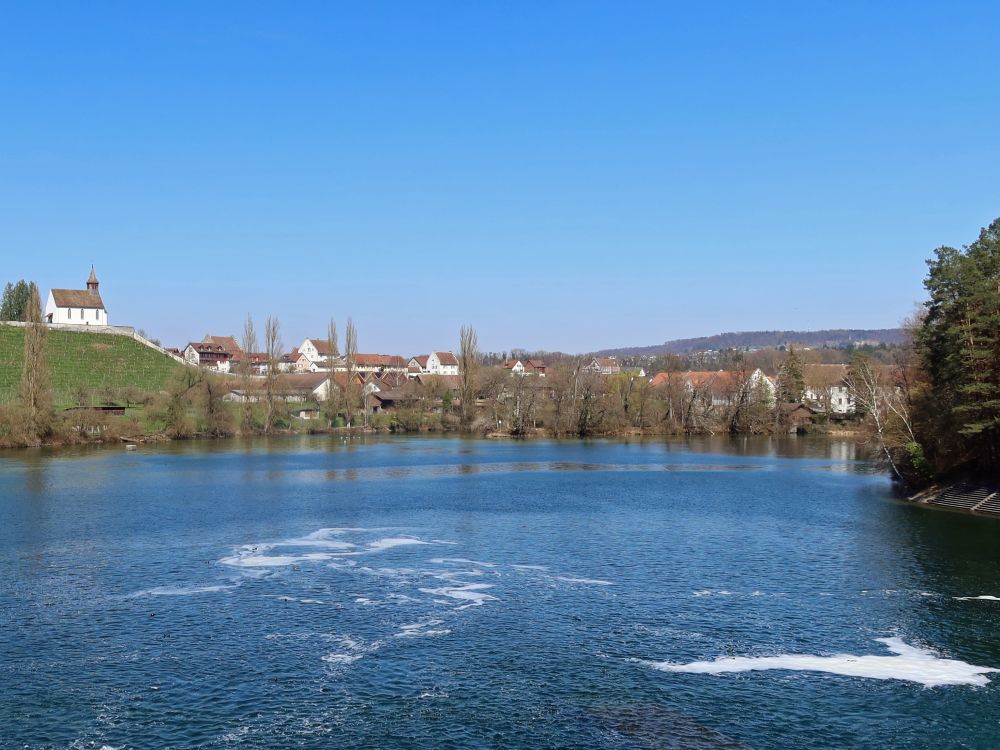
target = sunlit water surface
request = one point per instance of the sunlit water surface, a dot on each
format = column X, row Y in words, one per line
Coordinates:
column 449, row 593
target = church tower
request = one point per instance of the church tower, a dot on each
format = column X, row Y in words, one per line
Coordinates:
column 92, row 282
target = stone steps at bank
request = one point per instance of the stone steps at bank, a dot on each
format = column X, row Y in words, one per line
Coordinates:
column 974, row 498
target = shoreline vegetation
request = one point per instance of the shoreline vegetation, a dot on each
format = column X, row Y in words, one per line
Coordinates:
column 929, row 407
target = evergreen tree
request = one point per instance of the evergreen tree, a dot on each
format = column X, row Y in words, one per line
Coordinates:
column 959, row 344
column 791, row 380
column 16, row 301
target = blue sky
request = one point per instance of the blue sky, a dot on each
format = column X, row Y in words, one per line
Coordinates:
column 560, row 175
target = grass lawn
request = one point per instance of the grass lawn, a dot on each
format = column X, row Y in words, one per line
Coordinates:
column 99, row 362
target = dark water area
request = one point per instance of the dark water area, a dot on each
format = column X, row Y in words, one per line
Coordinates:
column 449, row 593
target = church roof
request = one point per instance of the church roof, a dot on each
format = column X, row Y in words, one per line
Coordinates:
column 93, row 277
column 87, row 298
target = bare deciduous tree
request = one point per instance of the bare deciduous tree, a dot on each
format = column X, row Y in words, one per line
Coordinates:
column 247, row 383
column 468, row 363
column 36, row 391
column 350, row 353
column 272, row 350
column 331, row 382
column 884, row 405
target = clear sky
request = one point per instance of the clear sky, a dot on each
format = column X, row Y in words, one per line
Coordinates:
column 567, row 176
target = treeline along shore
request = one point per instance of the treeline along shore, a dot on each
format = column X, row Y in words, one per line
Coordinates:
column 930, row 405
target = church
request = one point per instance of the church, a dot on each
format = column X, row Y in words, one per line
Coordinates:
column 77, row 307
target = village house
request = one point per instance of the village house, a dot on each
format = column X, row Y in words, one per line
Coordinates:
column 379, row 363
column 287, row 361
column 727, row 387
column 514, row 367
column 323, row 364
column 435, row 363
column 315, row 350
column 535, row 367
column 213, row 352
column 296, row 387
column 79, row 307
column 826, row 389
column 258, row 362
column 603, row 366
column 525, row 367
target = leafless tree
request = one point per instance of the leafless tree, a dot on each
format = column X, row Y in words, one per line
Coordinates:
column 249, row 344
column 217, row 417
column 36, row 391
column 272, row 350
column 468, row 362
column 350, row 352
column 331, row 382
column 884, row 405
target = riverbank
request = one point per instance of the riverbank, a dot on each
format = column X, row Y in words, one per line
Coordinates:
column 91, row 427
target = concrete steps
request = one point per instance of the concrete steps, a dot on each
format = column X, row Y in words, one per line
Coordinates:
column 974, row 498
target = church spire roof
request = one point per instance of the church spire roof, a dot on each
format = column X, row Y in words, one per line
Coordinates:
column 92, row 282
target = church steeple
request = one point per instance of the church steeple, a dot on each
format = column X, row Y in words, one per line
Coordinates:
column 92, row 282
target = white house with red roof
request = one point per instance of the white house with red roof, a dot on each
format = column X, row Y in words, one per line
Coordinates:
column 435, row 363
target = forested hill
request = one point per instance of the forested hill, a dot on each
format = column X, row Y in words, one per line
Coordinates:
column 833, row 337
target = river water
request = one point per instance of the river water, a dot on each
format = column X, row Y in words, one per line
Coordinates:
column 449, row 593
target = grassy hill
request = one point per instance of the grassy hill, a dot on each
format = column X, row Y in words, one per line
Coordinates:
column 101, row 363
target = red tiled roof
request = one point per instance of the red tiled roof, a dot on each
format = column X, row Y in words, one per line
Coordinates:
column 322, row 346
column 204, row 348
column 824, row 375
column 379, row 360
column 712, row 379
column 447, row 359
column 256, row 358
column 510, row 364
column 228, row 343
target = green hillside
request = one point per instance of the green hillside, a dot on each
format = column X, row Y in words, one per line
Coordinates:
column 101, row 363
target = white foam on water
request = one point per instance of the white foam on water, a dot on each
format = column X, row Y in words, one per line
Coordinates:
column 256, row 560
column 353, row 650
column 326, row 533
column 394, row 541
column 424, row 628
column 182, row 590
column 473, row 593
column 984, row 598
column 452, row 575
column 588, row 581
column 529, row 567
column 460, row 561
column 341, row 658
column 909, row 663
column 402, row 598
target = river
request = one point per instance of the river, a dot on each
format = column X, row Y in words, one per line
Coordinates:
column 424, row 592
